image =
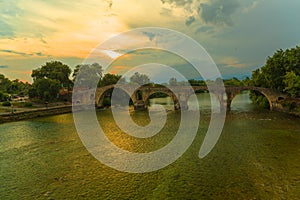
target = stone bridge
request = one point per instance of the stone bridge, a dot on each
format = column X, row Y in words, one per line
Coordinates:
column 181, row 94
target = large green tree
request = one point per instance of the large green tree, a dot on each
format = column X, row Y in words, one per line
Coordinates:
column 48, row 79
column 281, row 72
column 87, row 75
column 273, row 74
column 54, row 70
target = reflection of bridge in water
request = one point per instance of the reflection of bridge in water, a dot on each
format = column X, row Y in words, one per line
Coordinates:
column 181, row 94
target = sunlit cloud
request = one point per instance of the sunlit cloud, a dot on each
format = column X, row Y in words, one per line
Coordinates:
column 232, row 62
column 111, row 54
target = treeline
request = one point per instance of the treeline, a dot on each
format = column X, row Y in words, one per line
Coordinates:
column 8, row 87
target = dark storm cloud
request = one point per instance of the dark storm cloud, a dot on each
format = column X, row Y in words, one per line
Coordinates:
column 218, row 12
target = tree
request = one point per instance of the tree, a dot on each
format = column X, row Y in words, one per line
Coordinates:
column 281, row 72
column 247, row 81
column 87, row 75
column 194, row 82
column 48, row 79
column 45, row 89
column 110, row 79
column 233, row 82
column 13, row 87
column 54, row 70
column 173, row 82
column 5, row 84
column 140, row 79
column 273, row 74
column 292, row 84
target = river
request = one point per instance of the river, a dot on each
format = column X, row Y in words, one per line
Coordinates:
column 256, row 157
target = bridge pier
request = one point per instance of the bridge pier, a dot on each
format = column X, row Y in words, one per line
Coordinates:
column 140, row 105
column 182, row 105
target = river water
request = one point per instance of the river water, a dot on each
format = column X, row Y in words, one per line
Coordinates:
column 256, row 157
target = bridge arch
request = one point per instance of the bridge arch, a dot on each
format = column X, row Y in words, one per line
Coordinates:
column 180, row 95
column 233, row 92
column 103, row 91
column 169, row 93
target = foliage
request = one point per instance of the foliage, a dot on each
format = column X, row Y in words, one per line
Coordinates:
column 233, row 82
column 27, row 104
column 6, row 103
column 87, row 75
column 292, row 83
column 3, row 96
column 281, row 72
column 5, row 83
column 110, row 79
column 140, row 79
column 48, row 80
column 260, row 100
column 54, row 70
column 247, row 81
column 45, row 89
column 194, row 82
column 13, row 87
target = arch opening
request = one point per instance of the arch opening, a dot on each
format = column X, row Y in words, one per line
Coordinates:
column 248, row 100
column 121, row 98
column 203, row 101
column 165, row 99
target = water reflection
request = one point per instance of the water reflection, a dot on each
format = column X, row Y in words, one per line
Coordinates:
column 204, row 101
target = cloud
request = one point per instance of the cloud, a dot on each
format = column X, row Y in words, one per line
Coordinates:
column 5, row 29
column 231, row 62
column 13, row 52
column 39, row 54
column 205, row 29
column 190, row 20
column 218, row 12
column 9, row 10
column 22, row 53
column 177, row 2
column 3, row 66
column 151, row 36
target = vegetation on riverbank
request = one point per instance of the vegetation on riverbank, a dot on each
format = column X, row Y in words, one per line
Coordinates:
column 54, row 80
column 282, row 73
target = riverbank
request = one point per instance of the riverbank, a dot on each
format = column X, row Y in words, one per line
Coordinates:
column 33, row 113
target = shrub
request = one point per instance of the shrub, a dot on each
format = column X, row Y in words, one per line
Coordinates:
column 27, row 104
column 6, row 103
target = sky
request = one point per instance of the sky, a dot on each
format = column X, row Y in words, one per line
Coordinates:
column 238, row 34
